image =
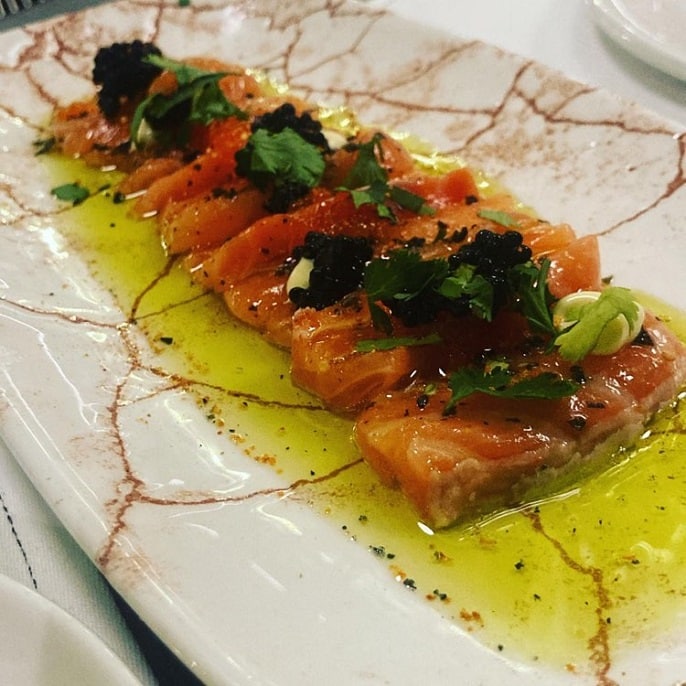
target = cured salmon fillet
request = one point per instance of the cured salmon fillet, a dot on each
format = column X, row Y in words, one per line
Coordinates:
column 491, row 447
column 387, row 281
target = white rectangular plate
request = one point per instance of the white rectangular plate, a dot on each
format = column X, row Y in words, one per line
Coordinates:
column 245, row 583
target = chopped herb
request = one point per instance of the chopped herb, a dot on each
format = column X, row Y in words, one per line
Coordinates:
column 198, row 98
column 367, row 183
column 397, row 281
column 376, row 344
column 74, row 193
column 499, row 217
column 465, row 283
column 280, row 159
column 500, row 382
column 530, row 283
column 493, row 271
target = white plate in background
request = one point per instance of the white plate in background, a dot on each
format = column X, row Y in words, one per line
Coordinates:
column 42, row 645
column 652, row 30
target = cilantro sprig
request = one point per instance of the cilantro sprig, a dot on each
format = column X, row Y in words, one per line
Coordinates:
column 280, row 158
column 368, row 183
column 198, row 98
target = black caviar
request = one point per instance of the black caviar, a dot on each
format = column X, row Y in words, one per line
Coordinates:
column 284, row 193
column 493, row 255
column 122, row 72
column 338, row 268
column 285, row 117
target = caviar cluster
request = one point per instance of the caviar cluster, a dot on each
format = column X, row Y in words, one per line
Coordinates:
column 285, row 117
column 283, row 191
column 338, row 268
column 493, row 255
column 122, row 73
column 424, row 306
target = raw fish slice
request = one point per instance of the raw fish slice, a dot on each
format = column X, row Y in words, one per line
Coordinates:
column 490, row 447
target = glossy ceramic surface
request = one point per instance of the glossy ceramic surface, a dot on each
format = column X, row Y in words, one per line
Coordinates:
column 215, row 550
column 652, row 31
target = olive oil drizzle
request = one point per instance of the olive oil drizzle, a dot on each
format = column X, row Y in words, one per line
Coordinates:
column 572, row 579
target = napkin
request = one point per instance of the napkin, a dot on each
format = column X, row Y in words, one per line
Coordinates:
column 37, row 551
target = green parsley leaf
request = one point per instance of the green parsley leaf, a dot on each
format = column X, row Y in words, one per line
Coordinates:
column 402, row 275
column 367, row 171
column 580, row 339
column 410, row 201
column 367, row 183
column 464, row 282
column 74, row 193
column 283, row 157
column 530, row 284
column 499, row 217
column 375, row 344
column 374, row 194
column 499, row 382
column 198, row 90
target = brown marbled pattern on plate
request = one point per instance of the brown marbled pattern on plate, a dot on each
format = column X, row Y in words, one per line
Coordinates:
column 80, row 384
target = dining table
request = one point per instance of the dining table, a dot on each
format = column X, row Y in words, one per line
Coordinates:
column 568, row 36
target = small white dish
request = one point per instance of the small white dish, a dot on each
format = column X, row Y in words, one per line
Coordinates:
column 652, row 31
column 42, row 645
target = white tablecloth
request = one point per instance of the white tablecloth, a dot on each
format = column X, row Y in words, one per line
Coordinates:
column 37, row 551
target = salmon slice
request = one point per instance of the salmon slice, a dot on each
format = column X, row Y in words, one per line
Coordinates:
column 448, row 458
column 212, row 169
column 260, row 300
column 324, row 358
column 207, row 221
column 81, row 130
column 490, row 448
